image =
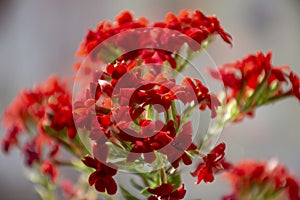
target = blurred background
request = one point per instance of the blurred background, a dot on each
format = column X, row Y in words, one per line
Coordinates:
column 39, row 38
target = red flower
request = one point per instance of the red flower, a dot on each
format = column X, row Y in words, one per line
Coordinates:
column 166, row 192
column 106, row 29
column 213, row 163
column 194, row 90
column 195, row 25
column 32, row 152
column 268, row 176
column 49, row 169
column 253, row 81
column 153, row 136
column 181, row 143
column 69, row 190
column 10, row 138
column 102, row 177
column 47, row 105
column 295, row 81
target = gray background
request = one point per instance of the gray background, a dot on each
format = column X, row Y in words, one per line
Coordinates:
column 39, row 38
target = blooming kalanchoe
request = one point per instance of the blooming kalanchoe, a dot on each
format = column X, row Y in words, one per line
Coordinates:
column 125, row 97
column 267, row 180
column 46, row 106
column 194, row 25
column 130, row 112
column 255, row 81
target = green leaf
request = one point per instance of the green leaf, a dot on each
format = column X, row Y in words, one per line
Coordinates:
column 127, row 195
column 175, row 180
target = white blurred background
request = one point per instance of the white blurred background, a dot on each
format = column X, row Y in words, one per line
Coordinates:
column 39, row 38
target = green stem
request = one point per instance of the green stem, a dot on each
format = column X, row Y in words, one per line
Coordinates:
column 163, row 175
column 68, row 146
column 174, row 114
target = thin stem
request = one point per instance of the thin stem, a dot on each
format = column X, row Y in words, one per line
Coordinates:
column 163, row 175
column 63, row 163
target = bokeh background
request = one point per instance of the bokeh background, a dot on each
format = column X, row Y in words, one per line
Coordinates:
column 39, row 38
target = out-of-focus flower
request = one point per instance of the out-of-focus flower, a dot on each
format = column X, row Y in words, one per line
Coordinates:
column 266, row 179
column 294, row 79
column 166, row 192
column 43, row 112
column 69, row 190
column 49, row 169
column 32, row 152
column 47, row 105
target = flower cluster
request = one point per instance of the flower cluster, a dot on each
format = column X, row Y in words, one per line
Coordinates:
column 131, row 102
column 122, row 112
column 134, row 112
column 45, row 109
column 254, row 81
column 262, row 180
column 195, row 25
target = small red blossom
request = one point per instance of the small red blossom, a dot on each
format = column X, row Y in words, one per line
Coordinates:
column 153, row 136
column 194, row 90
column 102, row 177
column 214, row 162
column 176, row 151
column 194, row 24
column 295, row 81
column 32, row 152
column 49, row 169
column 167, row 192
column 10, row 138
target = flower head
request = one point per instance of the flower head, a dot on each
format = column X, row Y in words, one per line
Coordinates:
column 102, row 177
column 214, row 162
column 254, row 81
column 49, row 169
column 268, row 178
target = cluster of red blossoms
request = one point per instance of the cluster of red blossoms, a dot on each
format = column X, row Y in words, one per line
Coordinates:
column 195, row 25
column 261, row 180
column 123, row 95
column 36, row 112
column 254, row 81
column 134, row 37
column 131, row 105
column 133, row 98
